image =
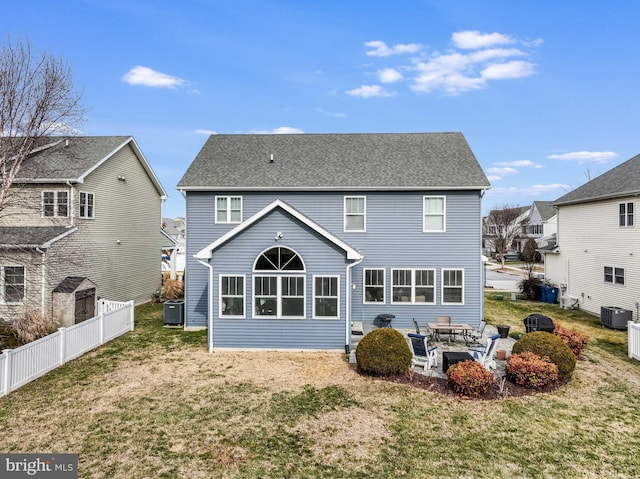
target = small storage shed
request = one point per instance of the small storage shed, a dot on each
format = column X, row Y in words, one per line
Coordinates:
column 74, row 301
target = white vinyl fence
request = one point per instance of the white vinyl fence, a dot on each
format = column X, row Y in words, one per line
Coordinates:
column 633, row 330
column 26, row 363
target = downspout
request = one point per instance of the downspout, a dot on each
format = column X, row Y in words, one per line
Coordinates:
column 210, row 308
column 347, row 338
column 42, row 280
column 71, row 204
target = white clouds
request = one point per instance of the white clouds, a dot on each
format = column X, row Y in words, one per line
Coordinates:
column 281, row 130
column 331, row 114
column 389, row 75
column 586, row 156
column 472, row 40
column 519, row 164
column 506, row 170
column 474, row 60
column 369, row 91
column 205, row 132
column 380, row 49
column 145, row 76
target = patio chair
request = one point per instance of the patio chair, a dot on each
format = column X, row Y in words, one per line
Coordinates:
column 443, row 321
column 476, row 335
column 423, row 354
column 415, row 323
column 484, row 355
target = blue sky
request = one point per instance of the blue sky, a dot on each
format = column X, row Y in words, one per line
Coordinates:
column 546, row 93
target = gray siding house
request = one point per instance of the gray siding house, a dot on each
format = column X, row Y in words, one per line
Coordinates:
column 292, row 238
column 83, row 221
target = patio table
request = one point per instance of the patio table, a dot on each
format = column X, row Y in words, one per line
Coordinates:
column 464, row 329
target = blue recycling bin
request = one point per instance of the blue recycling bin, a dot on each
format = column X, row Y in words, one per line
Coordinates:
column 552, row 295
column 543, row 293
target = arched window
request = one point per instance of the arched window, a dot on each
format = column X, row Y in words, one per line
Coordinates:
column 278, row 291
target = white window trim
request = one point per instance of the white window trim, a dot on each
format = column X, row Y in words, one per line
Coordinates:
column 444, row 214
column 55, row 203
column 2, row 283
column 344, row 215
column 279, row 277
column 93, row 210
column 626, row 214
column 442, row 286
column 220, row 297
column 413, row 286
column 314, row 297
column 613, row 275
column 364, row 286
column 228, row 198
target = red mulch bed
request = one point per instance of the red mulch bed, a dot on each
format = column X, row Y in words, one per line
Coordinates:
column 440, row 386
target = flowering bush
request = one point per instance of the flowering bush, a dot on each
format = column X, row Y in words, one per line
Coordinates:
column 531, row 371
column 469, row 378
column 575, row 340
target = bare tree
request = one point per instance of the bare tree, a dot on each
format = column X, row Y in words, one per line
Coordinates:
column 37, row 99
column 502, row 228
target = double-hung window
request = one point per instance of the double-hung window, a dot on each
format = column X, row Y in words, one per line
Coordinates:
column 355, row 213
column 434, row 214
column 232, row 296
column 87, row 205
column 325, row 297
column 613, row 275
column 279, row 285
column 413, row 286
column 228, row 209
column 625, row 214
column 55, row 204
column 452, row 286
column 374, row 286
column 13, row 284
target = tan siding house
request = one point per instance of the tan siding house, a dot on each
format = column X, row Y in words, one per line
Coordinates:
column 596, row 261
column 86, row 207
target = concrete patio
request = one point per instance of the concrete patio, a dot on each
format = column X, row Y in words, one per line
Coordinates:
column 445, row 345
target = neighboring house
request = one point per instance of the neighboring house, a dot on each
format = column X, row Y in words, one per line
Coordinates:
column 596, row 261
column 83, row 222
column 173, row 258
column 516, row 231
column 541, row 223
column 291, row 238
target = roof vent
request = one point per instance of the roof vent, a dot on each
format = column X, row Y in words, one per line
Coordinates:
column 271, row 160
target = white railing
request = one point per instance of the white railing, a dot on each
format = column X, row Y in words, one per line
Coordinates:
column 26, row 363
column 633, row 331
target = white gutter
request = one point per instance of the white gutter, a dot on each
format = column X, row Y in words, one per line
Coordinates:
column 71, row 203
column 210, row 308
column 42, row 280
column 347, row 343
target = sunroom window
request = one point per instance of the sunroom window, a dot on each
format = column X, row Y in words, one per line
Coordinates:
column 277, row 292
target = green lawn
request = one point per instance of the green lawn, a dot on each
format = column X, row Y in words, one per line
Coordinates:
column 155, row 403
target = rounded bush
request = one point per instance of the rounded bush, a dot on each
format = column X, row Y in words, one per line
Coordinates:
column 531, row 371
column 383, row 352
column 549, row 345
column 469, row 378
column 574, row 339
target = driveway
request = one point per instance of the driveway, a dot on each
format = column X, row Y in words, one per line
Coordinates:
column 502, row 280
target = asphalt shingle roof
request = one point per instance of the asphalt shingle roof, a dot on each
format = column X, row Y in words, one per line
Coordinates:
column 70, row 162
column 546, row 209
column 335, row 161
column 30, row 235
column 623, row 180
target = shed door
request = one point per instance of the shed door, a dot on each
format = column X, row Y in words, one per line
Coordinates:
column 85, row 305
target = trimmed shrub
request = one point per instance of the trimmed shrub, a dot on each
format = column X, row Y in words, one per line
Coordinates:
column 530, row 286
column 469, row 378
column 32, row 325
column 531, row 371
column 383, row 352
column 575, row 340
column 551, row 346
